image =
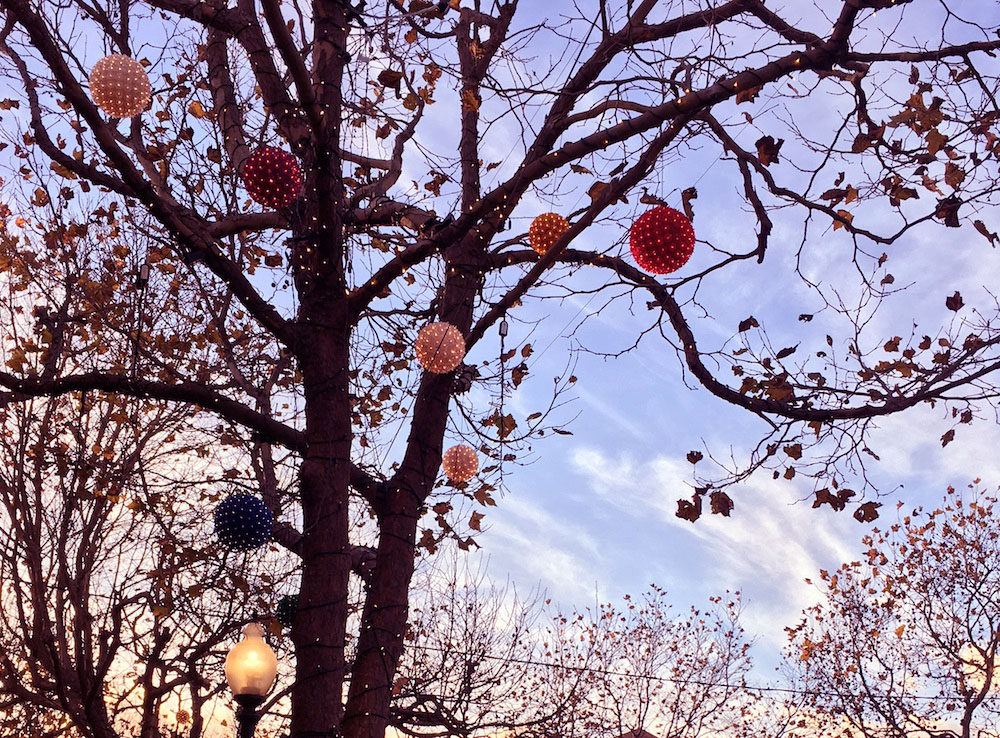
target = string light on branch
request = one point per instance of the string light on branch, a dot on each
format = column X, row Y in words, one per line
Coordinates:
column 272, row 177
column 243, row 522
column 460, row 463
column 440, row 347
column 662, row 240
column 545, row 230
column 120, row 86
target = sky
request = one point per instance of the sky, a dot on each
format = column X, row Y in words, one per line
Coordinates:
column 594, row 516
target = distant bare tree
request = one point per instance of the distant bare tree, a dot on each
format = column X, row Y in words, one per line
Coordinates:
column 906, row 643
column 483, row 661
column 92, row 635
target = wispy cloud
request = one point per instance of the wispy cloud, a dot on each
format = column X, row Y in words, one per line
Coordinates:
column 541, row 547
column 613, row 413
column 766, row 549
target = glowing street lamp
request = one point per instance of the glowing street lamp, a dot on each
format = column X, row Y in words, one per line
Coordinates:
column 250, row 670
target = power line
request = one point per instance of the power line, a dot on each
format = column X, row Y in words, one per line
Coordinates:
column 670, row 680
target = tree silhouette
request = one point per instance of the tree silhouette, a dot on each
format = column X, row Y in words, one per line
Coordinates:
column 290, row 330
column 100, row 622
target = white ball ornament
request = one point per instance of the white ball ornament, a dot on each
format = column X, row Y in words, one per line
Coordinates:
column 440, row 347
column 460, row 463
column 120, row 86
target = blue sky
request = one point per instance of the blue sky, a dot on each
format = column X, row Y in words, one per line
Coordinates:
column 593, row 516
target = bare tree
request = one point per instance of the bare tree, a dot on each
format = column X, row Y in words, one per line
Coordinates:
column 112, row 606
column 905, row 643
column 644, row 668
column 481, row 660
column 97, row 631
column 291, row 328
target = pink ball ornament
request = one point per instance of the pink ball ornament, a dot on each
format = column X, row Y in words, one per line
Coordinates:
column 460, row 463
column 662, row 240
column 120, row 86
column 440, row 347
column 272, row 177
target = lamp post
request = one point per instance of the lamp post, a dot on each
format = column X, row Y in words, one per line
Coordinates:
column 250, row 670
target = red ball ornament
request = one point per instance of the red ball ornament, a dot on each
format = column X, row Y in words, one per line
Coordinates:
column 272, row 177
column 662, row 240
column 545, row 230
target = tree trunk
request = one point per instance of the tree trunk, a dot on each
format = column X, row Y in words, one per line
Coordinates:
column 383, row 625
column 380, row 643
column 319, row 631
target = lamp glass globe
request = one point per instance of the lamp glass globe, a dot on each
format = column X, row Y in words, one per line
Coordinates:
column 251, row 665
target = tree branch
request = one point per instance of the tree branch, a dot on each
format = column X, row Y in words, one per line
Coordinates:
column 191, row 393
column 48, row 146
column 293, row 60
column 538, row 163
column 268, row 429
column 230, row 116
column 616, row 189
column 925, row 56
column 747, row 159
column 189, row 229
column 238, row 222
column 226, row 20
column 935, row 387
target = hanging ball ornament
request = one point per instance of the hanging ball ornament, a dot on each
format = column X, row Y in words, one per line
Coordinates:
column 460, row 463
column 287, row 607
column 545, row 230
column 272, row 177
column 120, row 86
column 662, row 240
column 243, row 522
column 440, row 347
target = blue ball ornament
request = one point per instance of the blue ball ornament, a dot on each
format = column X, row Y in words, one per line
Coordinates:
column 243, row 522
